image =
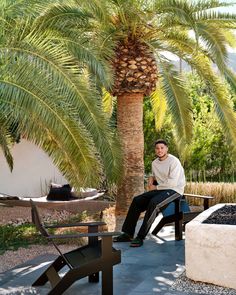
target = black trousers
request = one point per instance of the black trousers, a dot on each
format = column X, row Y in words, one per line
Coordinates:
column 148, row 202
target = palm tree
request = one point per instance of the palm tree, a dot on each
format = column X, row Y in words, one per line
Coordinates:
column 51, row 99
column 133, row 37
column 149, row 29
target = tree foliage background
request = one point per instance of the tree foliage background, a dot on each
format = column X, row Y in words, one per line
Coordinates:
column 209, row 156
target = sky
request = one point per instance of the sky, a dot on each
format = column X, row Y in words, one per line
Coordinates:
column 231, row 9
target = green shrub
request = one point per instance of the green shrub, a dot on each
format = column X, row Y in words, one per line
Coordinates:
column 13, row 237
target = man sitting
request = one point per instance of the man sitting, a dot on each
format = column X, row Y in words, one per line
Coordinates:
column 168, row 179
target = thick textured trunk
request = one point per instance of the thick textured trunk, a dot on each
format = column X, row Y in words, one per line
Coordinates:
column 130, row 128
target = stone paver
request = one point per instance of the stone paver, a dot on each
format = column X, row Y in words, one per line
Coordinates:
column 147, row 270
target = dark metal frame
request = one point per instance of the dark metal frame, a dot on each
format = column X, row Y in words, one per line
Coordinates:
column 98, row 255
column 181, row 218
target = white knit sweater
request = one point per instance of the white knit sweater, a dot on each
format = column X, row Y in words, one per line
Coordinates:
column 169, row 174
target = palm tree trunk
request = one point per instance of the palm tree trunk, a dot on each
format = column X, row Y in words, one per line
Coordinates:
column 130, row 128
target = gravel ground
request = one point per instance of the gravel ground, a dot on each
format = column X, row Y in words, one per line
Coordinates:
column 10, row 259
column 184, row 284
column 19, row 215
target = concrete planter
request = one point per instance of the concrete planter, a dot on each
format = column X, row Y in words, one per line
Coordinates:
column 210, row 250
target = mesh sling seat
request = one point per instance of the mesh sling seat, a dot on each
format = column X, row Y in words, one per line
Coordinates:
column 43, row 202
column 180, row 213
column 85, row 261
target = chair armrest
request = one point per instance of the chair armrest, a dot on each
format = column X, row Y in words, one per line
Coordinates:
column 76, row 224
column 204, row 198
column 83, row 235
column 198, row 196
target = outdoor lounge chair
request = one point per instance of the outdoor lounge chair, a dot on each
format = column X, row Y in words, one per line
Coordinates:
column 89, row 203
column 180, row 214
column 97, row 255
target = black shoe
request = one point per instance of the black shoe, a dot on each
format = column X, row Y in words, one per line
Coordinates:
column 122, row 238
column 137, row 242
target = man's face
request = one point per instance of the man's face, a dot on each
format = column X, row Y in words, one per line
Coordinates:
column 161, row 150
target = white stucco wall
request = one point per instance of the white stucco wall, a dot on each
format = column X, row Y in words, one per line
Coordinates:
column 32, row 173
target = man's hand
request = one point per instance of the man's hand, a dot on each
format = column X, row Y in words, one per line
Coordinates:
column 150, row 185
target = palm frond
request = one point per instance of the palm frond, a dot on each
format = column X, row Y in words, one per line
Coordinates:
column 6, row 142
column 31, row 103
column 177, row 42
column 63, row 101
column 181, row 11
column 208, row 5
column 177, row 100
column 230, row 77
column 159, row 106
column 87, row 102
column 99, row 10
column 211, row 16
column 230, row 38
column 215, row 43
column 107, row 100
column 62, row 17
column 88, row 57
column 223, row 107
column 68, row 26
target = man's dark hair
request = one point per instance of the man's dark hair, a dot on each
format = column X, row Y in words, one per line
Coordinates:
column 161, row 141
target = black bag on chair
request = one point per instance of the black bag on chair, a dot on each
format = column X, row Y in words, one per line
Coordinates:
column 60, row 193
